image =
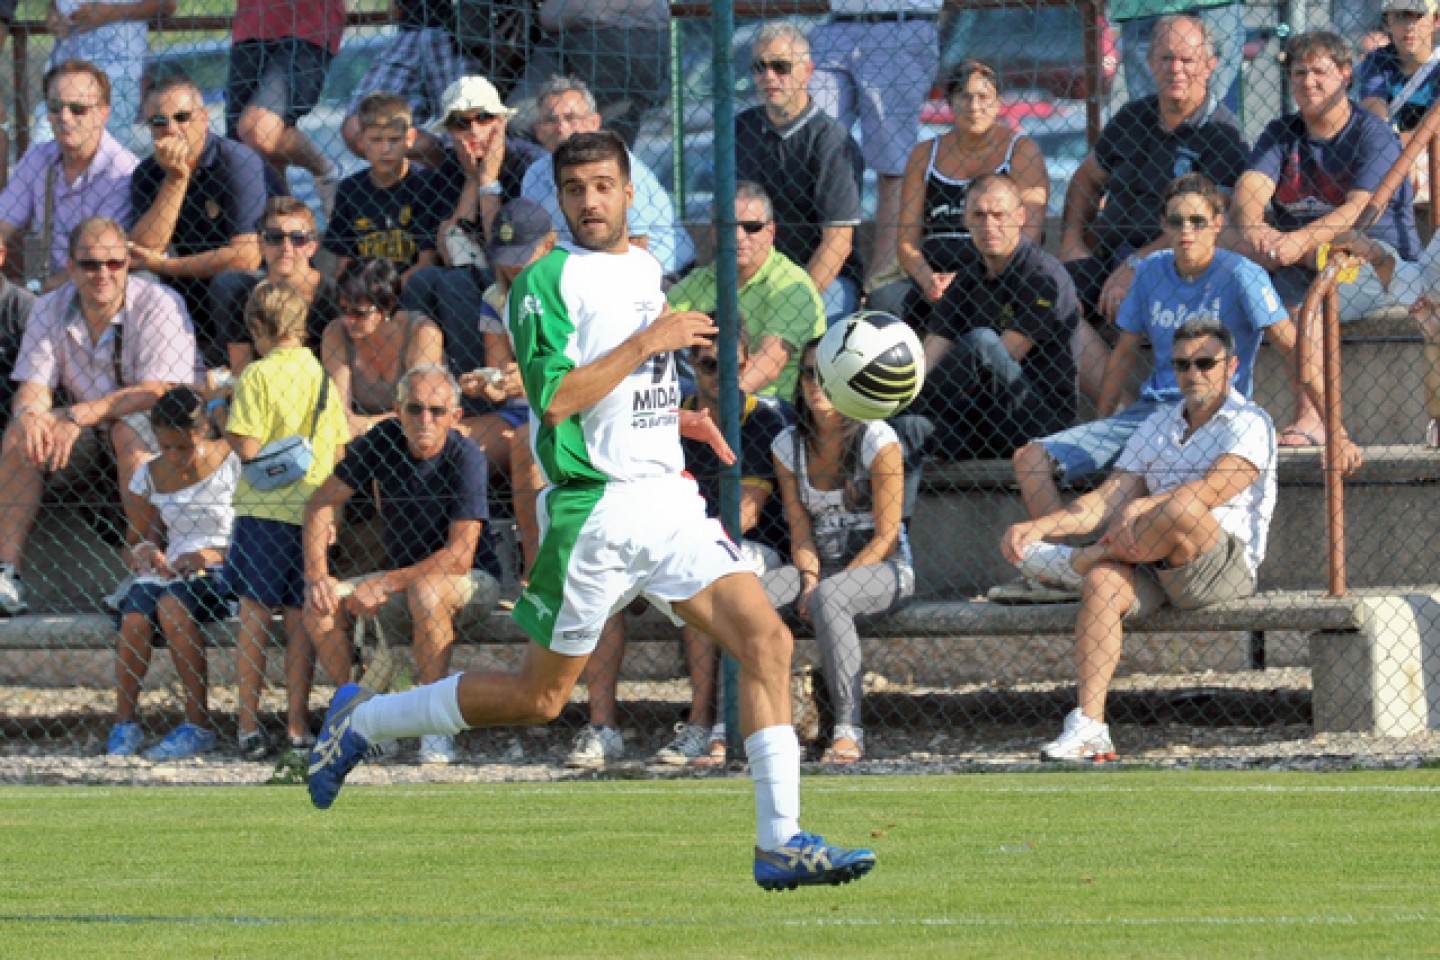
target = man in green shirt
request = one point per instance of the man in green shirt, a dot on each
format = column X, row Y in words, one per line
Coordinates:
column 781, row 308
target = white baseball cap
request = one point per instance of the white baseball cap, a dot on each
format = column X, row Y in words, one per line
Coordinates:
column 467, row 94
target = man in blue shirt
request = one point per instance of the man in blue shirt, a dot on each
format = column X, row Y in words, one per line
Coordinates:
column 432, row 491
column 197, row 202
column 1192, row 279
column 1310, row 175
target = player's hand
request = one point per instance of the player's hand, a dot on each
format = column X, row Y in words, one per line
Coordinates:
column 1016, row 539
column 173, row 156
column 323, row 596
column 1116, row 288
column 697, row 425
column 678, row 330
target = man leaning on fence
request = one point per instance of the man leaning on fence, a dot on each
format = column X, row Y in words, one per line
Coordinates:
column 431, row 483
column 1183, row 520
column 114, row 344
column 808, row 164
column 1109, row 220
column 84, row 172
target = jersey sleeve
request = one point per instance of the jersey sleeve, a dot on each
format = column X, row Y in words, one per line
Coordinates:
column 541, row 329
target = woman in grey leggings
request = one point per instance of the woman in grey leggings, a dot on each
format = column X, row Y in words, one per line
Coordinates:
column 842, row 482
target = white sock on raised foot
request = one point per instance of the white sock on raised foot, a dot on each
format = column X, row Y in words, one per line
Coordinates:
column 434, row 708
column 774, row 755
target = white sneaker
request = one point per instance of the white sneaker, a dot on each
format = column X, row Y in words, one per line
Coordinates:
column 1050, row 563
column 1081, row 741
column 595, row 747
column 691, row 742
column 12, row 593
column 437, row 748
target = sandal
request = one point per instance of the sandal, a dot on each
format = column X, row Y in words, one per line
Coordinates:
column 847, row 747
column 715, row 758
column 1297, row 438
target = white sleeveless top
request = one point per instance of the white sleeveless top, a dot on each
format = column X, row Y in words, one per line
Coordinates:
column 198, row 516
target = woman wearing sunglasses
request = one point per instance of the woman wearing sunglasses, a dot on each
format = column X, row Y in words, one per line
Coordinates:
column 373, row 342
column 842, row 482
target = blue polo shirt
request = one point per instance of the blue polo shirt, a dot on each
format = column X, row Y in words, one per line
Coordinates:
column 224, row 199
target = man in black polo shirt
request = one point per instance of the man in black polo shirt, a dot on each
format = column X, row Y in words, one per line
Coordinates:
column 1146, row 145
column 807, row 163
column 197, row 202
column 998, row 349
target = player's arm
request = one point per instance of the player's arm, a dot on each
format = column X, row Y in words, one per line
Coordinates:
column 583, row 387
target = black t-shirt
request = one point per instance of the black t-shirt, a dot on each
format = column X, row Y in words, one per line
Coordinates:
column 1035, row 297
column 1141, row 158
column 224, row 199
column 811, row 169
column 449, row 178
column 762, row 419
column 398, row 222
column 417, row 14
column 419, row 499
column 15, row 304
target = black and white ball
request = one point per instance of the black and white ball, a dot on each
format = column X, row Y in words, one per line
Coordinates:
column 870, row 365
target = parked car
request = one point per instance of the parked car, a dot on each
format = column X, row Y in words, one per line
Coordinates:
column 1039, row 48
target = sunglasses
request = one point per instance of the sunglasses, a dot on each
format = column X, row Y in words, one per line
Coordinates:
column 349, row 311
column 807, row 370
column 297, row 238
column 160, row 121
column 753, row 227
column 707, row 365
column 1203, row 364
column 464, row 121
column 418, row 410
column 1177, row 222
column 76, row 109
column 781, row 68
column 94, row 266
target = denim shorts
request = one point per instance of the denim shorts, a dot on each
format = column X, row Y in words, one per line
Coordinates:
column 1092, row 448
column 266, row 562
column 207, row 597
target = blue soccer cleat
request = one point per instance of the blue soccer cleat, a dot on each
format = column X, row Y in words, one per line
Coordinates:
column 806, row 861
column 338, row 749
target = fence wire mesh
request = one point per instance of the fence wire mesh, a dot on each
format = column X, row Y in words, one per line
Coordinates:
column 1107, row 525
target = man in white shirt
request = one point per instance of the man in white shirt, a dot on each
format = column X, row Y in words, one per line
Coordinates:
column 1183, row 520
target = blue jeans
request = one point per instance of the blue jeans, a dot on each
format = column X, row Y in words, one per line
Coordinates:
column 1092, row 448
column 1227, row 26
column 840, row 299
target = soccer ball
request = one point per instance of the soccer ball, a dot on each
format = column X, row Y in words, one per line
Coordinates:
column 870, row 365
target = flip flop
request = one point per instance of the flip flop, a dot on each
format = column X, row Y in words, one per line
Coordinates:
column 844, row 751
column 1309, row 440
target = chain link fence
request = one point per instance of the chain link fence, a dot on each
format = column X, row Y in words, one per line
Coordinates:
column 1062, row 200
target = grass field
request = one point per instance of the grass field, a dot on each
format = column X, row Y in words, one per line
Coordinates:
column 1123, row 864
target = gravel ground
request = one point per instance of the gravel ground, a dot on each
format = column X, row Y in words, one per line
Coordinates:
column 1229, row 721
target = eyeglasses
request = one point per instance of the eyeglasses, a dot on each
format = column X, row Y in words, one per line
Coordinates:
column 95, row 266
column 1203, row 364
column 464, row 121
column 1176, row 221
column 418, row 410
column 781, row 68
column 160, row 121
column 297, row 238
column 807, row 370
column 709, row 366
column 753, row 227
column 349, row 311
column 551, row 119
column 76, row 109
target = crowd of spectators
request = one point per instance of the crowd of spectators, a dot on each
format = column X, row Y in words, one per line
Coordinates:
column 370, row 355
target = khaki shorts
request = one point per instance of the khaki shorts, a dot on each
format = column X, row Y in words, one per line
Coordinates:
column 91, row 452
column 1219, row 574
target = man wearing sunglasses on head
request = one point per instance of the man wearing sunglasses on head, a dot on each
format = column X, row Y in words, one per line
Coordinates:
column 808, row 164
column 84, row 172
column 196, row 203
column 778, row 300
column 1190, row 280
column 114, row 343
column 431, row 483
column 1183, row 520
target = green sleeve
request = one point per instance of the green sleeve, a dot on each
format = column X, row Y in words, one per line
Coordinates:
column 541, row 329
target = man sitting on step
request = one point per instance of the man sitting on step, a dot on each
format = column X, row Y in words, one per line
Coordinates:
column 1183, row 519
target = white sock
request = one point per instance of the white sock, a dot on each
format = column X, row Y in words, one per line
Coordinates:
column 774, row 755
column 434, row 708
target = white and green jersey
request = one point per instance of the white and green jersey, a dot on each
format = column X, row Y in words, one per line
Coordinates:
column 569, row 309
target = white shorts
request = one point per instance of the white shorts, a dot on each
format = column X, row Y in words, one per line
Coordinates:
column 603, row 545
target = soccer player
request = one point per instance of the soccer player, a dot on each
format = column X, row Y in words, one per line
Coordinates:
column 595, row 347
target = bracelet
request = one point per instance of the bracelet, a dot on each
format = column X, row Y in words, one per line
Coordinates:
column 214, row 405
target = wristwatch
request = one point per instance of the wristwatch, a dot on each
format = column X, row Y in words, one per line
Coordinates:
column 491, row 189
column 1133, row 262
column 69, row 414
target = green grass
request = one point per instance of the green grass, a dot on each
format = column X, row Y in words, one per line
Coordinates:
column 1123, row 864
